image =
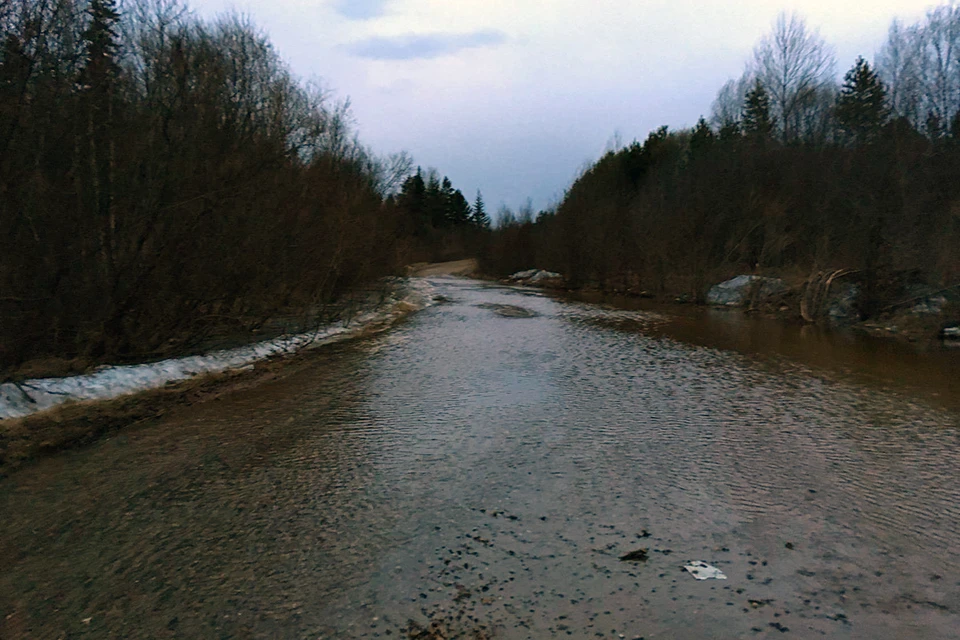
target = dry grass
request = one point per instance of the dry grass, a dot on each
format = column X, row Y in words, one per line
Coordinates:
column 455, row 268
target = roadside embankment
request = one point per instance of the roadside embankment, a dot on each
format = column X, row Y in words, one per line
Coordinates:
column 43, row 415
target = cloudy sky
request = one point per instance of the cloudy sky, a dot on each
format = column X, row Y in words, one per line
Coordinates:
column 513, row 97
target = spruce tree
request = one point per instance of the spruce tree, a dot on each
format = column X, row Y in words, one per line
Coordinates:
column 702, row 137
column 480, row 218
column 729, row 131
column 413, row 201
column 102, row 40
column 861, row 109
column 459, row 212
column 757, row 122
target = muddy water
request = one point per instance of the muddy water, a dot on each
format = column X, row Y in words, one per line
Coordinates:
column 485, row 465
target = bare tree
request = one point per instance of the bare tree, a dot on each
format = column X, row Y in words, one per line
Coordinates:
column 898, row 64
column 940, row 62
column 793, row 63
column 727, row 106
column 921, row 66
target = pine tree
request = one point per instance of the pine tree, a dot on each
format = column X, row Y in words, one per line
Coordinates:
column 757, row 122
column 480, row 218
column 861, row 109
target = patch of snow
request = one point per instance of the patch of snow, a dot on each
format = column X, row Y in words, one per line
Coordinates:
column 703, row 571
column 534, row 276
column 107, row 382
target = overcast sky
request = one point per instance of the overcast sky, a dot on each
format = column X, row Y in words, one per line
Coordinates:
column 513, row 97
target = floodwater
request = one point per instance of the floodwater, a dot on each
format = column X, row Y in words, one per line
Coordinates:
column 485, row 464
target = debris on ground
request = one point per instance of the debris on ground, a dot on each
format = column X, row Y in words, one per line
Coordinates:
column 703, row 571
column 640, row 555
column 439, row 631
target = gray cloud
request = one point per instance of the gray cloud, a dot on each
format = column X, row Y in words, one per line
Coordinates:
column 413, row 47
column 361, row 9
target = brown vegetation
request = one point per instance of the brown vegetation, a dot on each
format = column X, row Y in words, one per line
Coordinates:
column 164, row 180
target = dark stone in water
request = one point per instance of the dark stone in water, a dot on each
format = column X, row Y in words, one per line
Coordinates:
column 508, row 310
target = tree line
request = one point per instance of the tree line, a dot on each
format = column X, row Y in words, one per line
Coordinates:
column 165, row 178
column 794, row 172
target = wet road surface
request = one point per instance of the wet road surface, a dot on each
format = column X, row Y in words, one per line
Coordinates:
column 485, row 465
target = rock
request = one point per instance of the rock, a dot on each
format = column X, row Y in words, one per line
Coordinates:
column 523, row 275
column 640, row 555
column 842, row 304
column 508, row 311
column 929, row 306
column 537, row 277
column 739, row 291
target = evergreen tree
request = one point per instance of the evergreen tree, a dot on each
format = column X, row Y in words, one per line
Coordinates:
column 702, row 137
column 757, row 122
column 436, row 206
column 861, row 109
column 729, row 131
column 480, row 218
column 102, row 40
column 413, row 202
column 458, row 209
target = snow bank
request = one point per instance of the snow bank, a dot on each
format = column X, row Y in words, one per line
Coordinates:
column 109, row 382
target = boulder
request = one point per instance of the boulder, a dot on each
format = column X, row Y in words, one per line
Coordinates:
column 842, row 302
column 537, row 277
column 741, row 290
column 929, row 306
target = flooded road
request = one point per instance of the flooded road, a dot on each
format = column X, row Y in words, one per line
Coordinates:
column 484, row 465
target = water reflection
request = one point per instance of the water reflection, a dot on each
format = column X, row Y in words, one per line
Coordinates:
column 929, row 368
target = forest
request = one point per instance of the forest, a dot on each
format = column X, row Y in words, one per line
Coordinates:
column 793, row 173
column 164, row 179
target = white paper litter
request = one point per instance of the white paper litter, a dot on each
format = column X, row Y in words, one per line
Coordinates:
column 110, row 382
column 703, row 571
